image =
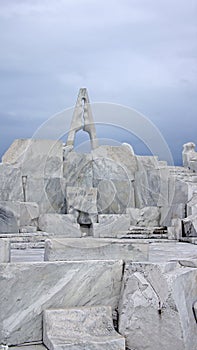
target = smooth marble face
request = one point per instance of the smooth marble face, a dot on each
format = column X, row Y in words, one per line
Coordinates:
column 29, row 288
column 156, row 302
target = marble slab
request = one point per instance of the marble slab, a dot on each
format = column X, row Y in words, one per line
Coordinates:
column 81, row 199
column 27, row 289
column 144, row 217
column 94, row 249
column 81, row 328
column 155, row 310
column 10, row 183
column 29, row 213
column 36, row 157
column 59, row 224
column 111, row 225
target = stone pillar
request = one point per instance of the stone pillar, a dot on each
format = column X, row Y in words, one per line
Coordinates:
column 82, row 119
column 4, row 250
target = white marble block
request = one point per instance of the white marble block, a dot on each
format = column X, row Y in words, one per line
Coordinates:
column 29, row 289
column 78, row 170
column 94, row 249
column 179, row 191
column 48, row 193
column 88, row 328
column 175, row 231
column 190, row 226
column 4, row 250
column 192, row 205
column 10, row 183
column 172, row 251
column 114, row 196
column 148, row 216
column 38, row 158
column 145, row 163
column 111, row 225
column 113, row 174
column 155, row 310
column 9, row 217
column 118, row 162
column 59, row 224
column 81, row 199
column 29, row 213
column 168, row 213
column 151, row 187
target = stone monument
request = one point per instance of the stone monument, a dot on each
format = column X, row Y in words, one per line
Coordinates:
column 97, row 250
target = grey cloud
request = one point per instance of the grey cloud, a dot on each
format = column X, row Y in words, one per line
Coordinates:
column 138, row 53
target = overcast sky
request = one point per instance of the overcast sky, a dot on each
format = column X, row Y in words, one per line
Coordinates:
column 138, row 53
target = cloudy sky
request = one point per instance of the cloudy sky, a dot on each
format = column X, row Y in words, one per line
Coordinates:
column 138, row 53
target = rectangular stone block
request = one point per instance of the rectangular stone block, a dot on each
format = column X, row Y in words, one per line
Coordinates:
column 4, row 250
column 145, row 217
column 9, row 217
column 192, row 205
column 176, row 230
column 190, row 226
column 118, row 162
column 29, row 213
column 29, row 289
column 108, row 169
column 10, row 183
column 114, row 196
column 59, row 224
column 155, row 310
column 175, row 211
column 94, row 249
column 78, row 170
column 81, row 328
column 178, row 191
column 151, row 187
column 145, row 163
column 171, row 251
column 82, row 199
column 48, row 192
column 40, row 158
column 111, row 225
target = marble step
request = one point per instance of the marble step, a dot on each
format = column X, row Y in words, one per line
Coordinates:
column 141, row 229
column 144, row 236
column 28, row 245
column 27, row 240
column 28, row 346
column 26, row 237
column 83, row 328
column 27, row 255
column 137, row 232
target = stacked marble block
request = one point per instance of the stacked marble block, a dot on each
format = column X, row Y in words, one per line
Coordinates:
column 40, row 177
column 27, row 290
column 70, row 304
column 156, row 308
column 108, row 190
column 32, row 183
column 149, row 191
